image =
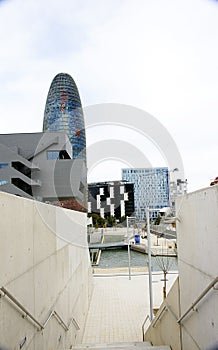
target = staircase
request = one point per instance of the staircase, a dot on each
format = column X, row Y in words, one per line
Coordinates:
column 122, row 346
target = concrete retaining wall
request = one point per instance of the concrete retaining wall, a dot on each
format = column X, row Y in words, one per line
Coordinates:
column 197, row 242
column 164, row 329
column 197, row 259
column 44, row 264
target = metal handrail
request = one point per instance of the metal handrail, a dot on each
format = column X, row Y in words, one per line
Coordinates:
column 59, row 319
column 143, row 325
column 159, row 315
column 191, row 308
column 48, row 319
column 21, row 307
column 166, row 307
column 74, row 323
column 40, row 325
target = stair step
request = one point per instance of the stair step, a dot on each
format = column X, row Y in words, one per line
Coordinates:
column 121, row 346
column 137, row 345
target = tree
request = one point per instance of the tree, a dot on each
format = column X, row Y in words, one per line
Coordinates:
column 157, row 220
column 122, row 219
column 111, row 220
column 97, row 220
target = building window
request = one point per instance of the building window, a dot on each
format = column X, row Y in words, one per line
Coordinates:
column 3, row 165
column 89, row 207
column 112, row 209
column 122, row 208
column 102, row 212
column 98, row 201
column 125, row 196
column 111, row 192
column 101, row 191
column 57, row 155
column 3, row 182
column 53, row 155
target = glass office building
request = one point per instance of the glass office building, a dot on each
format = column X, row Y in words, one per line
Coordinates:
column 151, row 189
column 63, row 113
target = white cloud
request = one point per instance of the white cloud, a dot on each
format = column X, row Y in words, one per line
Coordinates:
column 158, row 56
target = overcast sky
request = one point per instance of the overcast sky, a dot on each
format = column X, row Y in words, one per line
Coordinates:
column 157, row 55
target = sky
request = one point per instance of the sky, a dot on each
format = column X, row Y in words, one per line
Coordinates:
column 159, row 56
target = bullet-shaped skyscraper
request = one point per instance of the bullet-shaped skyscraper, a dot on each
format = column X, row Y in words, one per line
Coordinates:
column 63, row 113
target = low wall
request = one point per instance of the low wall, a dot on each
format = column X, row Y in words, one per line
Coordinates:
column 197, row 260
column 164, row 330
column 45, row 265
column 197, row 243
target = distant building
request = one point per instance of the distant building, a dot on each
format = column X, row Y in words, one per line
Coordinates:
column 50, row 166
column 112, row 198
column 177, row 188
column 63, row 113
column 151, row 189
column 40, row 166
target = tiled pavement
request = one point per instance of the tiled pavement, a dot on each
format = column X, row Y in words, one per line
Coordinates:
column 119, row 306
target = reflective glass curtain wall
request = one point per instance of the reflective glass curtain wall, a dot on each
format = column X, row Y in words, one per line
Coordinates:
column 63, row 113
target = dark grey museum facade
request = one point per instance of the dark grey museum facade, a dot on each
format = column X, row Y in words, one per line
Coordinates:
column 40, row 166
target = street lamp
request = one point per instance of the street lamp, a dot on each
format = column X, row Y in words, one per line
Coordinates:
column 149, row 259
column 171, row 196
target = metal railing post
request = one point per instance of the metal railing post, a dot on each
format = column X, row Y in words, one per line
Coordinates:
column 191, row 308
column 149, row 263
column 129, row 261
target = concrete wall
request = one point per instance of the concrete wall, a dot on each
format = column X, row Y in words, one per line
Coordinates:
column 197, row 242
column 44, row 264
column 197, row 257
column 166, row 330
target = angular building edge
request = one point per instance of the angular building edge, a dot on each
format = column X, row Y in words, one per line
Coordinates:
column 40, row 166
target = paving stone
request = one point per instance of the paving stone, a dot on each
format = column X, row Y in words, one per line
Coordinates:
column 119, row 306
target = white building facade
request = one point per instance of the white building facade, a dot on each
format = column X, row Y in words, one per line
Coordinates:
column 151, row 189
column 177, row 188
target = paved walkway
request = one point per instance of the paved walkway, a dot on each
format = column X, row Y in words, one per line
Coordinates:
column 119, row 306
column 159, row 245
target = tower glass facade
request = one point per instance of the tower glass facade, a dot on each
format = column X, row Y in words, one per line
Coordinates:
column 63, row 113
column 151, row 189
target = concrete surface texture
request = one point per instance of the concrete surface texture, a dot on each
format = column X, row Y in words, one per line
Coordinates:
column 164, row 329
column 197, row 225
column 197, row 260
column 119, row 306
column 44, row 264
